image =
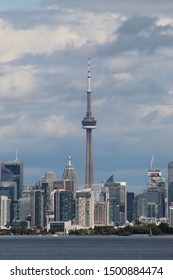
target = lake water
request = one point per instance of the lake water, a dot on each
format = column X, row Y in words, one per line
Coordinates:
column 86, row 248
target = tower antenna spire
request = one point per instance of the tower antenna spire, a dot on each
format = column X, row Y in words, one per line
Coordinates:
column 89, row 75
column 69, row 160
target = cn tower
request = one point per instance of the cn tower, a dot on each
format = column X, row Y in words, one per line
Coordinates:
column 89, row 123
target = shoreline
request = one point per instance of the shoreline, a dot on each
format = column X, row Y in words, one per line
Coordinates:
column 79, row 235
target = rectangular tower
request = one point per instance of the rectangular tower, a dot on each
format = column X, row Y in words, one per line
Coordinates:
column 170, row 183
column 16, row 172
column 85, row 208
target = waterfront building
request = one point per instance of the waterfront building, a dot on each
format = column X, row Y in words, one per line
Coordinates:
column 101, row 213
column 170, row 183
column 139, row 207
column 63, row 206
column 156, row 205
column 117, row 202
column 156, row 194
column 14, row 212
column 85, row 208
column 4, row 211
column 24, row 208
column 60, row 227
column 130, row 198
column 171, row 215
column 89, row 123
column 37, row 208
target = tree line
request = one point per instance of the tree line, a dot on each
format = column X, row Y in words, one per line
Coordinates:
column 145, row 229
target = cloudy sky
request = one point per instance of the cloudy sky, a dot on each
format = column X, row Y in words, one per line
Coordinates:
column 44, row 53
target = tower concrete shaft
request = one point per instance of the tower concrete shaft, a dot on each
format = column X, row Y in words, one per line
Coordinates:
column 89, row 123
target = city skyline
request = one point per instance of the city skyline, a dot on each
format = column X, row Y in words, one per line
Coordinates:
column 44, row 53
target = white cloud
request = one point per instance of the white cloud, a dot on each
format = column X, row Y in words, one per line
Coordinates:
column 122, row 64
column 164, row 21
column 57, row 126
column 17, row 83
column 38, row 40
column 124, row 77
column 45, row 39
column 22, row 125
column 99, row 102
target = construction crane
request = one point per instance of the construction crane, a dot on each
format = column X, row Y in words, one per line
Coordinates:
column 151, row 162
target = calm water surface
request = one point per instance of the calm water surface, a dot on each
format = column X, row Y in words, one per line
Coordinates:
column 86, row 247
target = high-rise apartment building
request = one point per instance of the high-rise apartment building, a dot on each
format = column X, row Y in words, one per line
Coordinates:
column 85, row 208
column 4, row 211
column 63, row 206
column 101, row 213
column 24, row 208
column 117, row 202
column 37, row 208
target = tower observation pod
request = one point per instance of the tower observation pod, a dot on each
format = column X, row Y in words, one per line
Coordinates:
column 89, row 123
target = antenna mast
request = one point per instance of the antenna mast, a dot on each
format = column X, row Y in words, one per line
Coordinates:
column 16, row 154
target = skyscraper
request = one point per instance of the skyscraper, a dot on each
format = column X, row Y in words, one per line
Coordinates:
column 117, row 201
column 63, row 205
column 85, row 208
column 89, row 123
column 70, row 178
column 130, row 198
column 37, row 208
column 170, row 183
column 15, row 171
column 139, row 207
column 4, row 211
column 156, row 194
column 101, row 213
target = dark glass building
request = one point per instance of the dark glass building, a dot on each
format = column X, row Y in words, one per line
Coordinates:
column 63, row 205
column 130, row 198
column 37, row 208
column 13, row 171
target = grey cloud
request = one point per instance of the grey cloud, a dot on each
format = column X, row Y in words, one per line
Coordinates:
column 150, row 117
column 136, row 24
column 119, row 6
column 140, row 34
